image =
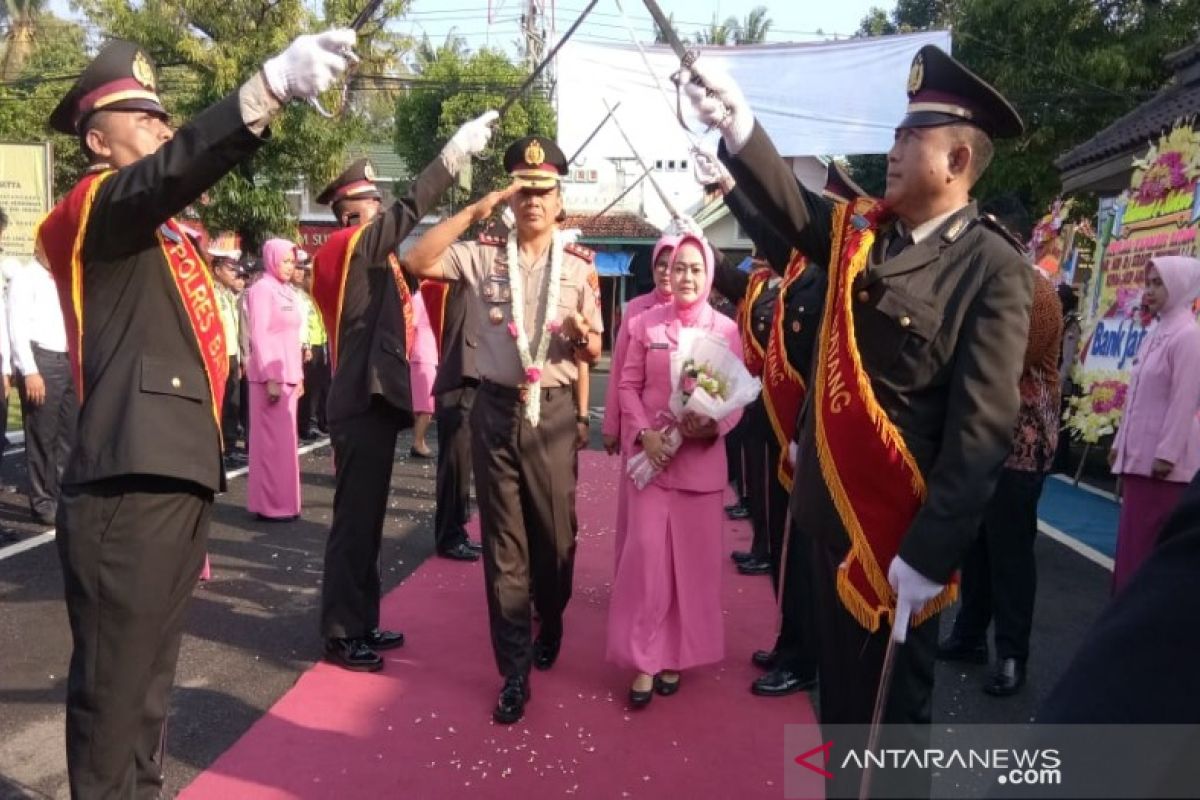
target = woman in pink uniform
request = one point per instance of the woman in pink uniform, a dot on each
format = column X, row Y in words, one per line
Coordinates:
column 423, row 364
column 275, row 371
column 1157, row 449
column 665, row 611
column 660, row 261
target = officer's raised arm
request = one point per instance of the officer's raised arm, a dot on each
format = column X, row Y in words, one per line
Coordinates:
column 424, row 259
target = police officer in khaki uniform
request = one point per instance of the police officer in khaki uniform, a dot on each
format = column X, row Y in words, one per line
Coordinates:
column 536, row 303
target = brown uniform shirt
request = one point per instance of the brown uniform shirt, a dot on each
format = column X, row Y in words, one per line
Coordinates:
column 483, row 266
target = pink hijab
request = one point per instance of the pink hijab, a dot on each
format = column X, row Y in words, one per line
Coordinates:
column 666, row 242
column 273, row 253
column 691, row 314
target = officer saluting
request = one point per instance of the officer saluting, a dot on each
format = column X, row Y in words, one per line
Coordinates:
column 915, row 387
column 150, row 363
column 535, row 299
column 366, row 305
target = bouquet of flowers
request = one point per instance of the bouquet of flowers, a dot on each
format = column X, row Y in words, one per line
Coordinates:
column 709, row 381
column 1096, row 412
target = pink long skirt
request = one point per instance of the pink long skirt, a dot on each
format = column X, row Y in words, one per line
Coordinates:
column 1145, row 505
column 421, row 376
column 665, row 611
column 273, row 485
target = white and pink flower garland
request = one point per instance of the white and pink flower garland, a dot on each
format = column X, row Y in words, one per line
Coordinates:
column 533, row 364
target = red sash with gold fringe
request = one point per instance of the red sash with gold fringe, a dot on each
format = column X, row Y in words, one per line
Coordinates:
column 872, row 477
column 331, row 265
column 62, row 234
column 406, row 304
column 752, row 354
column 783, row 387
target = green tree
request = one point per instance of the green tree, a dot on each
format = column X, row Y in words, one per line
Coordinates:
column 1070, row 67
column 21, row 17
column 719, row 34
column 660, row 36
column 454, row 87
column 754, row 28
column 877, row 22
column 206, row 49
column 57, row 55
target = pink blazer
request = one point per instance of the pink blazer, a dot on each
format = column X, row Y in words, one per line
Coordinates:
column 612, row 400
column 645, row 391
column 273, row 311
column 1164, row 397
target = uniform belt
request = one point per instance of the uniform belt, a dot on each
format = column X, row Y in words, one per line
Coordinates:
column 516, row 394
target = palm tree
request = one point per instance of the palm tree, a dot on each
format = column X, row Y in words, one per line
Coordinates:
column 753, row 30
column 21, row 16
column 720, row 35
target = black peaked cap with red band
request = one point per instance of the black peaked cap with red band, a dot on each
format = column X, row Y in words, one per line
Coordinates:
column 357, row 182
column 535, row 162
column 120, row 78
column 941, row 91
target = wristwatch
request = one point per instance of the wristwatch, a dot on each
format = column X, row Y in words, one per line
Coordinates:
column 582, row 420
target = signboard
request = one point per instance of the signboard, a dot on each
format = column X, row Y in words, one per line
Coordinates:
column 1157, row 216
column 24, row 193
column 313, row 236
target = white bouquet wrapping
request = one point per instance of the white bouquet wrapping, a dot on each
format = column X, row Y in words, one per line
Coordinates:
column 709, row 381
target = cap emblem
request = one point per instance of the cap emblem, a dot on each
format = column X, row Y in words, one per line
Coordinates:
column 916, row 75
column 368, row 172
column 143, row 73
column 534, row 154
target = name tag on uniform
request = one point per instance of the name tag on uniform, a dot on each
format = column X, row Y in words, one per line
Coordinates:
column 659, row 346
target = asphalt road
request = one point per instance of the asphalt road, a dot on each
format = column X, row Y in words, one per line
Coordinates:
column 252, row 631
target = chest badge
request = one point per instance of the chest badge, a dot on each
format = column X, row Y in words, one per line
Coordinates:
column 495, row 316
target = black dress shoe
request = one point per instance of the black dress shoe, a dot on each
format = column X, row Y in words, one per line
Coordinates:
column 955, row 648
column 308, row 436
column 545, row 651
column 510, row 707
column 741, row 556
column 667, row 688
column 638, row 699
column 476, row 546
column 1008, row 678
column 45, row 516
column 415, row 453
column 8, row 537
column 764, row 659
column 384, row 640
column 780, row 682
column 737, row 512
column 757, row 566
column 460, row 552
column 352, row 654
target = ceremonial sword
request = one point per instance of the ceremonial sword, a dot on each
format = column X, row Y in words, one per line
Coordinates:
column 356, row 25
column 686, row 57
column 621, row 196
column 592, row 135
column 881, row 699
column 542, row 65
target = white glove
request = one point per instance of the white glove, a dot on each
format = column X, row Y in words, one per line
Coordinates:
column 683, row 225
column 708, row 168
column 913, row 591
column 793, row 451
column 725, row 109
column 310, row 64
column 469, row 140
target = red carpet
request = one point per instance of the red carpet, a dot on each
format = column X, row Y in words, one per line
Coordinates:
column 422, row 727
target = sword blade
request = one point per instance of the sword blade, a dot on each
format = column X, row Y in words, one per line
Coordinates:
column 592, row 135
column 515, row 96
column 667, row 30
column 621, row 196
column 881, row 698
column 365, row 15
column 657, row 188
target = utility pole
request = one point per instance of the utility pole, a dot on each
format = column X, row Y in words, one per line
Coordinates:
column 537, row 27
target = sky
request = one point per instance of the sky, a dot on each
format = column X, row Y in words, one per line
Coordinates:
column 793, row 20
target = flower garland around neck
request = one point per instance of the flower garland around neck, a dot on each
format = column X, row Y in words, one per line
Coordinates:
column 530, row 362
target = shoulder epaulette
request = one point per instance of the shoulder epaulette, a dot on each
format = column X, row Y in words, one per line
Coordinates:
column 492, row 241
column 579, row 251
column 994, row 225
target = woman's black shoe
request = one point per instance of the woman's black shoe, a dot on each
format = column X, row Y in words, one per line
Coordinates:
column 666, row 688
column 640, row 699
column 415, row 453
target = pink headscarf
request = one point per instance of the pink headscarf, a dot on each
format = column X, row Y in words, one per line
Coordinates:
column 1181, row 277
column 666, row 242
column 273, row 253
column 692, row 313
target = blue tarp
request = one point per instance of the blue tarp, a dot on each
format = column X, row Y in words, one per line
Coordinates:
column 613, row 264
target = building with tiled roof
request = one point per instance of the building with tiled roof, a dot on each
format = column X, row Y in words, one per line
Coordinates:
column 1104, row 163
